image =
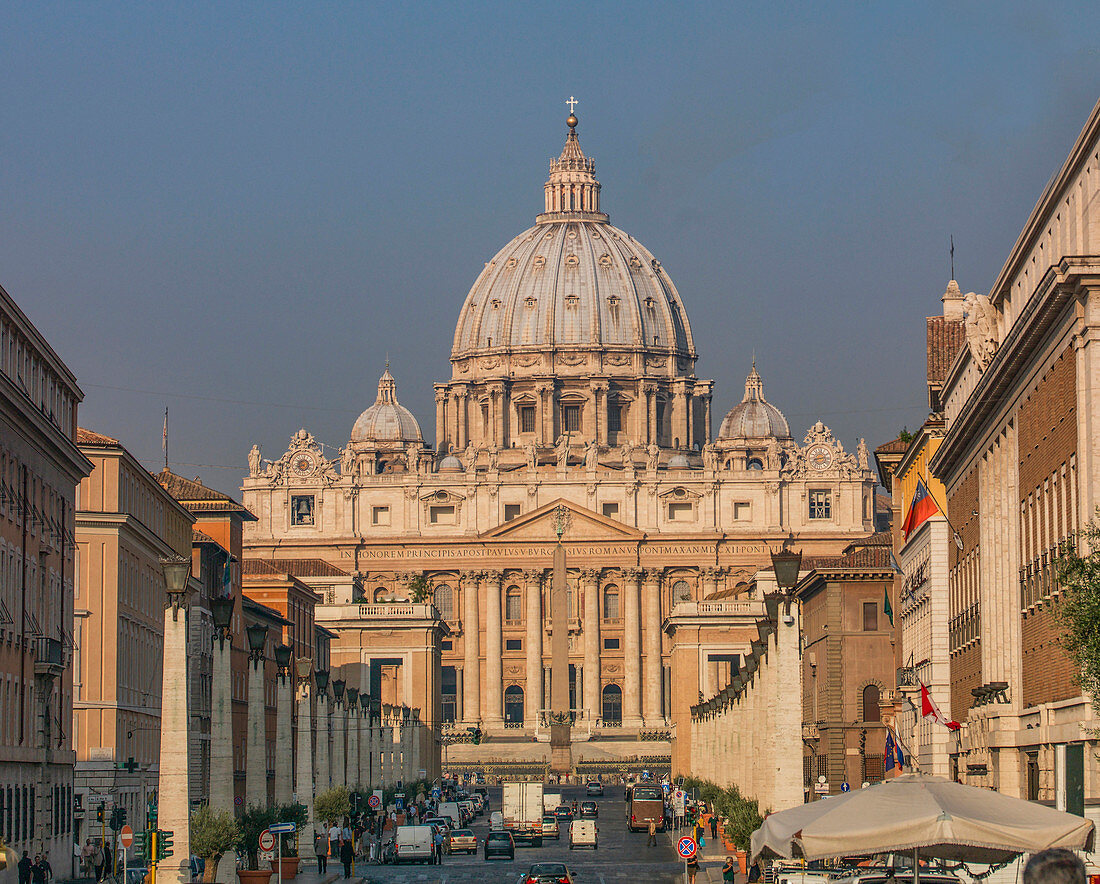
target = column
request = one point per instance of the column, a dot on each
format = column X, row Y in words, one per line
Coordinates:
column 471, row 672
column 599, row 418
column 632, row 649
column 324, row 714
column 339, row 732
column 417, row 746
column 221, row 739
column 351, row 722
column 386, row 768
column 460, row 691
column 546, row 412
column 303, row 791
column 174, row 809
column 442, row 431
column 653, row 670
column 378, row 740
column 284, row 744
column 532, row 695
column 494, row 671
column 255, row 772
column 364, row 745
column 590, row 581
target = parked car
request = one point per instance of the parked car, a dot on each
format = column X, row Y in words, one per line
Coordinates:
column 589, row 810
column 500, row 844
column 461, row 841
column 583, row 833
column 548, row 873
column 550, row 827
column 593, row 788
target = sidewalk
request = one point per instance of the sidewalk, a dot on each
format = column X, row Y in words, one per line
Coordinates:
column 712, row 857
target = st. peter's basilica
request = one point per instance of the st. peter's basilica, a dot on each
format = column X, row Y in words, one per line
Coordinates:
column 572, row 382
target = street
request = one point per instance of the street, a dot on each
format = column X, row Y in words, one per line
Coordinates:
column 621, row 856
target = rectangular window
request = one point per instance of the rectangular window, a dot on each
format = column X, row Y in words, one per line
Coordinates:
column 380, row 515
column 447, row 645
column 511, row 511
column 614, row 417
column 679, row 512
column 441, row 515
column 870, row 616
column 611, row 510
column 513, row 644
column 821, row 505
column 611, row 644
column 527, row 419
column 742, row 511
column 301, row 509
column 571, row 418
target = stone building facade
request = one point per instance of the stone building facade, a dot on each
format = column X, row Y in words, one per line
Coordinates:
column 572, row 383
column 40, row 467
column 1021, row 471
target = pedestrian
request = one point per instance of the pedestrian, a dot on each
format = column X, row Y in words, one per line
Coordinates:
column 320, row 847
column 729, row 870
column 1054, row 866
column 97, row 861
column 652, row 840
column 438, row 845
column 334, row 839
column 693, row 868
column 714, row 827
column 41, row 873
column 86, row 867
column 346, row 857
column 25, row 865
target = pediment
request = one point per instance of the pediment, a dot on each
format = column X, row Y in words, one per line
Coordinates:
column 443, row 495
column 541, row 524
column 679, row 493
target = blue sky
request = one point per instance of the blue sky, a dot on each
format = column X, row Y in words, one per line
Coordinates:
column 238, row 210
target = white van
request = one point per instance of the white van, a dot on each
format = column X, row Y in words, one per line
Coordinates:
column 496, row 820
column 413, row 844
column 583, row 833
column 451, row 810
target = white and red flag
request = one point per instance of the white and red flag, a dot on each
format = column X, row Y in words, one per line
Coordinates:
column 929, row 709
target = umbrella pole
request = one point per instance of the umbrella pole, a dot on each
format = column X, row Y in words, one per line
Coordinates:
column 916, row 865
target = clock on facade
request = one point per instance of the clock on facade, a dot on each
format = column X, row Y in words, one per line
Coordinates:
column 303, row 464
column 820, row 457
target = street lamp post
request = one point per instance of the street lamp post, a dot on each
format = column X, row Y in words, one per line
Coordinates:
column 174, row 805
column 787, row 679
column 284, row 748
column 364, row 739
column 324, row 713
column 304, row 781
column 385, row 770
column 221, row 722
column 416, row 746
column 255, row 771
column 352, row 766
column 339, row 771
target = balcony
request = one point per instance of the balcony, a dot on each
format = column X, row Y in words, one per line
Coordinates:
column 49, row 656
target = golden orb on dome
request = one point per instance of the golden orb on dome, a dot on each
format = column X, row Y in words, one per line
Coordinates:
column 571, row 121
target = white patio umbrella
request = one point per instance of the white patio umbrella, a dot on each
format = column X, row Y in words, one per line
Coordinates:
column 928, row 816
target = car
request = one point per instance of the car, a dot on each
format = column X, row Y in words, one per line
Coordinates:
column 548, row 873
column 496, row 820
column 500, row 844
column 583, row 833
column 593, row 788
column 589, row 810
column 564, row 814
column 461, row 841
column 439, row 822
column 550, row 827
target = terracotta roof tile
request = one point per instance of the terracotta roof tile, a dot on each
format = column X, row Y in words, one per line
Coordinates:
column 198, row 537
column 293, row 567
column 88, row 437
column 894, row 446
column 197, row 497
column 945, row 338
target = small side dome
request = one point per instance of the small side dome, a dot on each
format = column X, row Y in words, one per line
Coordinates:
column 754, row 417
column 387, row 420
column 451, row 464
column 678, row 462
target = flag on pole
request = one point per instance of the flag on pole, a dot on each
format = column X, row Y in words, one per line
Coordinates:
column 887, row 608
column 165, row 442
column 892, row 754
column 929, row 709
column 920, row 510
column 227, row 577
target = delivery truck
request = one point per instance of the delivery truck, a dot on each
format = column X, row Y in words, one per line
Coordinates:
column 522, row 809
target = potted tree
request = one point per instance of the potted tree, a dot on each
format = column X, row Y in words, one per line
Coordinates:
column 213, row 834
column 289, row 813
column 332, row 806
column 252, row 823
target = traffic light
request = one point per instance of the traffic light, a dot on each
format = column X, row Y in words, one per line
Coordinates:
column 164, row 843
column 477, row 736
column 139, row 846
column 121, row 817
column 100, row 813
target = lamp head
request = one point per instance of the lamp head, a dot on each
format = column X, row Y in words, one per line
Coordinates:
column 786, row 564
column 322, row 680
column 338, row 690
column 222, row 609
column 176, row 570
column 257, row 638
column 353, row 698
column 303, row 665
column 282, row 656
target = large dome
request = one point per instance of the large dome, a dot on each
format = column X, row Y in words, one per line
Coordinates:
column 387, row 420
column 571, row 283
column 754, row 417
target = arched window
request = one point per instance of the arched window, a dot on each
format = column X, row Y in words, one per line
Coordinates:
column 611, row 603
column 754, row 463
column 445, row 601
column 681, row 592
column 612, row 707
column 513, row 705
column 380, row 594
column 513, row 605
column 871, row 709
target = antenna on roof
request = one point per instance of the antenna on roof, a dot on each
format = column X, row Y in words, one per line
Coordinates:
column 952, row 256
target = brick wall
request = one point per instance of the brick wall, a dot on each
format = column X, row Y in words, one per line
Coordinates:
column 1048, row 495
column 964, row 612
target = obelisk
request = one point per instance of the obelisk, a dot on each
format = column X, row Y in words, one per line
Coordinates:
column 561, row 718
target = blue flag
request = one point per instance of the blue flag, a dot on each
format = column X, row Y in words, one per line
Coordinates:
column 892, row 754
column 227, row 577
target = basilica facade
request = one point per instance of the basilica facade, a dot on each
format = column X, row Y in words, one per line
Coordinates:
column 573, row 406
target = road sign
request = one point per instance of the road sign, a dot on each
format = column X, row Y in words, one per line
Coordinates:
column 126, row 836
column 374, row 801
column 844, row 787
column 281, row 828
column 686, row 847
column 821, row 788
column 267, row 840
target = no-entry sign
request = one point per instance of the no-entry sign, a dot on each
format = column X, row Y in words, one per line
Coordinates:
column 686, row 847
column 267, row 840
column 126, row 836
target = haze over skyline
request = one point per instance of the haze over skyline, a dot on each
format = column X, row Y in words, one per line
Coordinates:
column 239, row 212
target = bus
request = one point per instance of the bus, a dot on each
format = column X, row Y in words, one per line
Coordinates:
column 647, row 803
